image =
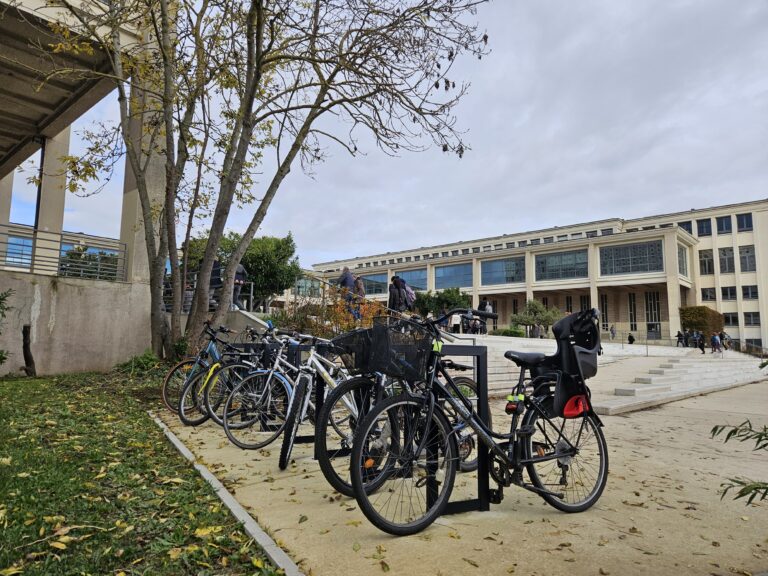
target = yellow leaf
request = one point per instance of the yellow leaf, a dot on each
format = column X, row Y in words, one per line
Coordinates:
column 207, row 531
column 257, row 562
column 101, row 474
column 174, row 553
column 58, row 545
column 66, row 539
column 11, row 571
column 6, row 462
column 354, row 522
column 22, row 475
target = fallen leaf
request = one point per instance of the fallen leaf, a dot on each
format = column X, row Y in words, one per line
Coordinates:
column 302, row 518
column 384, row 566
column 356, row 547
column 58, row 545
column 604, row 572
column 471, row 562
column 174, row 553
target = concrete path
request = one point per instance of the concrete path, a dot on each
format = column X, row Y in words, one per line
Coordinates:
column 660, row 513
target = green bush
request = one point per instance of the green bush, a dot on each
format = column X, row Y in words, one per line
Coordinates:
column 139, row 366
column 515, row 332
column 701, row 318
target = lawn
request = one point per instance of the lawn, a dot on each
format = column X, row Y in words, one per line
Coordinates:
column 90, row 485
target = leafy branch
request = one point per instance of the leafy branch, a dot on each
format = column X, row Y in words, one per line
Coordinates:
column 744, row 432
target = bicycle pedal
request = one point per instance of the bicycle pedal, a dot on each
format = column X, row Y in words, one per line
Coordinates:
column 496, row 496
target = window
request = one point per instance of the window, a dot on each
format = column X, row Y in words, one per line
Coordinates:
column 416, row 279
column 510, row 244
column 727, row 265
column 569, row 304
column 454, row 252
column 706, row 262
column 465, row 250
column 704, row 227
column 19, row 252
column 487, row 248
column 686, row 226
column 591, row 233
column 751, row 318
column 632, row 311
column 416, row 258
column 708, row 295
column 653, row 314
column 606, row 231
column 498, row 246
column 444, row 254
column 562, row 265
column 522, row 243
column 744, row 222
column 476, row 249
column 548, row 239
column 604, row 311
column 307, row 287
column 749, row 292
column 731, row 318
column 631, row 258
column 747, row 258
column 454, row 276
column 562, row 237
column 724, row 225
column 754, row 342
column 584, row 303
column 576, row 235
column 545, row 302
column 505, row 271
column 514, row 306
column 682, row 260
column 728, row 292
column 375, row 283
column 535, row 241
column 399, row 260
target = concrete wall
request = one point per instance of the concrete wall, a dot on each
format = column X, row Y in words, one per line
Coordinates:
column 77, row 325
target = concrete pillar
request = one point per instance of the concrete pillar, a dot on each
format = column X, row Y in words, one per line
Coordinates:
column 431, row 277
column 6, row 193
column 673, row 283
column 475, row 283
column 593, row 267
column 49, row 218
column 530, row 276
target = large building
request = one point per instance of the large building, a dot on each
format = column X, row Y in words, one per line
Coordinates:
column 637, row 272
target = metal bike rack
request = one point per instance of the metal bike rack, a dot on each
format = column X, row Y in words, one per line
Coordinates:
column 483, row 501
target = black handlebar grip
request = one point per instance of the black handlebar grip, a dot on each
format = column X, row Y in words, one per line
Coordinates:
column 482, row 314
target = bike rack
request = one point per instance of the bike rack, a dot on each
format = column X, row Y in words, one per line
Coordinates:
column 483, row 501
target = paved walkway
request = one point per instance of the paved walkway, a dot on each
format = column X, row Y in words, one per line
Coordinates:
column 660, row 514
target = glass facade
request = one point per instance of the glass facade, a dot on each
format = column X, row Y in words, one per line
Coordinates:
column 562, row 265
column 632, row 311
column 706, row 262
column 727, row 265
column 682, row 260
column 632, row 258
column 747, row 258
column 507, row 271
column 375, row 284
column 453, row 276
column 307, row 287
column 653, row 314
column 416, row 279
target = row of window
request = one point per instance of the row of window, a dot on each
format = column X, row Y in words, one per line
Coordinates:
column 750, row 318
column 726, row 259
column 729, row 293
column 723, row 224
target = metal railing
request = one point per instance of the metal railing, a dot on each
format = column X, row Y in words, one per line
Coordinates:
column 751, row 349
column 67, row 254
column 246, row 295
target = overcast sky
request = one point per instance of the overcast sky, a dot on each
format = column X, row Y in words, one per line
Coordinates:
column 582, row 111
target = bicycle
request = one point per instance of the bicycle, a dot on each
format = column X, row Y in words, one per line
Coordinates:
column 180, row 374
column 554, row 436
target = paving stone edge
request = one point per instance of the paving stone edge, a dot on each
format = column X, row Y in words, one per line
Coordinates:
column 276, row 554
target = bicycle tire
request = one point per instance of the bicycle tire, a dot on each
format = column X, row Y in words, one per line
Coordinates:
column 174, row 381
column 409, row 476
column 292, row 422
column 578, row 477
column 223, row 381
column 255, row 412
column 191, row 409
column 336, row 425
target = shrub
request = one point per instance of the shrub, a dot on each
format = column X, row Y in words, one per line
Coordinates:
column 701, row 318
column 515, row 332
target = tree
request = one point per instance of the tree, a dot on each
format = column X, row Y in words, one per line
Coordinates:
column 4, row 307
column 535, row 313
column 443, row 300
column 222, row 85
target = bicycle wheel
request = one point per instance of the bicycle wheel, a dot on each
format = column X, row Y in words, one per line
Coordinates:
column 342, row 411
column 254, row 413
column 191, row 408
column 293, row 421
column 174, row 381
column 575, row 457
column 417, row 457
column 466, row 437
column 220, row 386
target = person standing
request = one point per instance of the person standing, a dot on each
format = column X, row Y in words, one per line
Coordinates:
column 347, row 284
column 679, row 339
column 397, row 300
column 700, row 341
column 613, row 332
column 241, row 275
column 456, row 323
column 359, row 291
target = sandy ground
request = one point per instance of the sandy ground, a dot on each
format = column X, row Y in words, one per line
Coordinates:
column 661, row 512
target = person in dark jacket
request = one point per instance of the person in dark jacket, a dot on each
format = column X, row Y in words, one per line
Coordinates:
column 397, row 300
column 347, row 284
column 241, row 275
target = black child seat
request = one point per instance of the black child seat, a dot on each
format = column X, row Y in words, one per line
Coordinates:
column 575, row 360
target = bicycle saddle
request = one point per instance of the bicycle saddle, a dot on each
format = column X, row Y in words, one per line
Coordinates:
column 527, row 358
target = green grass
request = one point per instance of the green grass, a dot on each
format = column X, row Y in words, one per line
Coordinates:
column 90, row 485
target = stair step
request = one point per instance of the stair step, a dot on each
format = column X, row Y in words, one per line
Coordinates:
column 642, row 390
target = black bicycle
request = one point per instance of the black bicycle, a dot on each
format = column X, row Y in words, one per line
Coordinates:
column 405, row 452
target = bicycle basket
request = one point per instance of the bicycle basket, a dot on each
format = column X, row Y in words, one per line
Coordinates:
column 400, row 348
column 354, row 349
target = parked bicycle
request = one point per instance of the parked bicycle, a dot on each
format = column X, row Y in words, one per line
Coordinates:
column 405, row 452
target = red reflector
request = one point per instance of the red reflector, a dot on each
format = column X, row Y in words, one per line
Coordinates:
column 575, row 406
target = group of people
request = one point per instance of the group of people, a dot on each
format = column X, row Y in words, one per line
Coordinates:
column 354, row 291
column 696, row 339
